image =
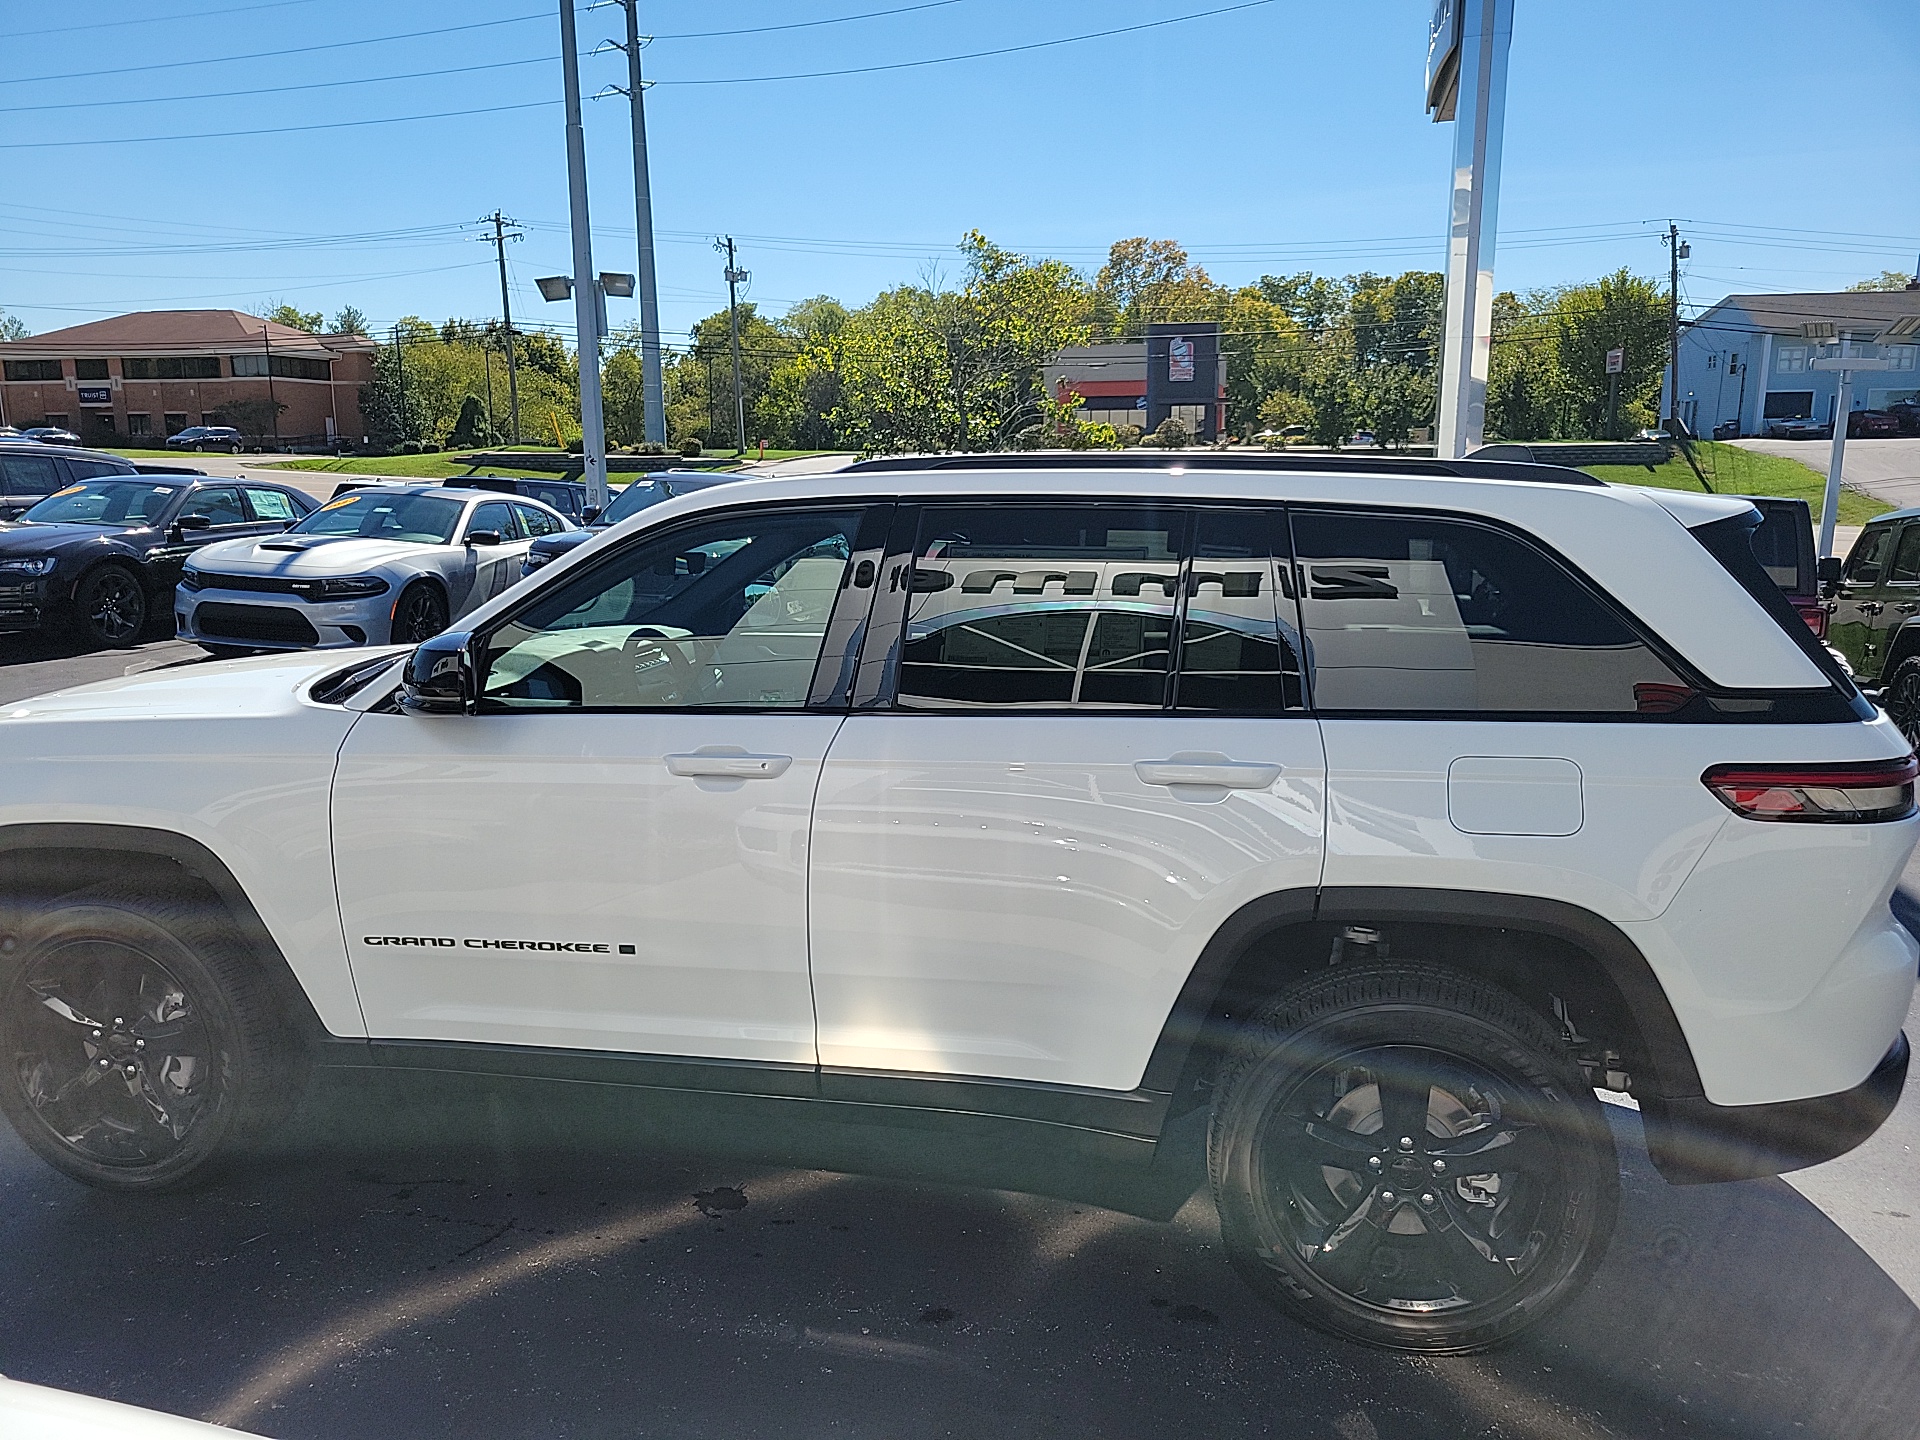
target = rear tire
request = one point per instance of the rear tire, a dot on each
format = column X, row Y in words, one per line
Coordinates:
column 1407, row 1157
column 140, row 1049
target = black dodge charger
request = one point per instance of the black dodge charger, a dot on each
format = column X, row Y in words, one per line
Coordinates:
column 99, row 558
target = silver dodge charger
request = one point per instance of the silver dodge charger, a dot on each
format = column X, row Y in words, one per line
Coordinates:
column 392, row 564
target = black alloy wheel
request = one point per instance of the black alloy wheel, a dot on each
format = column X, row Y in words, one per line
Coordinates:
column 419, row 614
column 110, row 608
column 138, row 1045
column 1407, row 1157
column 1901, row 699
column 199, row 449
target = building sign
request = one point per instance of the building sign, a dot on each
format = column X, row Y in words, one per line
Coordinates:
column 94, row 394
column 1616, row 360
column 1179, row 361
column 1443, row 59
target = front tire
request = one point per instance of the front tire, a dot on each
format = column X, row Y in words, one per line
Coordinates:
column 1900, row 697
column 110, row 608
column 1407, row 1157
column 419, row 614
column 139, row 1048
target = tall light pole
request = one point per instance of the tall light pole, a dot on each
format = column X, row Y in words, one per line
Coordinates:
column 652, row 391
column 586, row 294
column 1467, row 84
column 1846, row 364
column 1680, row 251
column 734, row 276
column 500, row 238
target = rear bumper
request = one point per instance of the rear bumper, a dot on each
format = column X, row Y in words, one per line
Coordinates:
column 1695, row 1142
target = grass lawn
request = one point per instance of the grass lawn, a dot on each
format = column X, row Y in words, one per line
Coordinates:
column 183, row 456
column 418, row 467
column 1735, row 471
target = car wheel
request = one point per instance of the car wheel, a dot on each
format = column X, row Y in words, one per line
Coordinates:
column 1407, row 1157
column 199, row 449
column 110, row 608
column 419, row 614
column 142, row 1049
column 1900, row 697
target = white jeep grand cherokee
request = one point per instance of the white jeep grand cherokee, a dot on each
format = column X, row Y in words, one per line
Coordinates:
column 1383, row 810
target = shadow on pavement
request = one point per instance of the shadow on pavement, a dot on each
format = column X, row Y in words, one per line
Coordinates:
column 500, row 1284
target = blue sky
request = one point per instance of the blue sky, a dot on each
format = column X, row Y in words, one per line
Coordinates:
column 1283, row 136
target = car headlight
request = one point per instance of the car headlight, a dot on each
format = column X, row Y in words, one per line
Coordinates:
column 192, row 580
column 27, row 565
column 341, row 587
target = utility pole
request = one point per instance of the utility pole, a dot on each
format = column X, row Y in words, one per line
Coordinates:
column 273, row 406
column 400, row 362
column 500, row 238
column 1467, row 84
column 734, row 276
column 486, row 359
column 1680, row 251
column 652, row 390
column 586, row 285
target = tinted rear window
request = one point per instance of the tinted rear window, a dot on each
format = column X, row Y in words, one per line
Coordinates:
column 1783, row 544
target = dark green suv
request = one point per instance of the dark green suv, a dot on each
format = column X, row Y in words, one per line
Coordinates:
column 1872, row 610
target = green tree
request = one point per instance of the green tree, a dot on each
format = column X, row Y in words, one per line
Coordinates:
column 814, row 321
column 253, row 418
column 349, row 320
column 1524, row 400
column 471, row 427
column 12, row 327
column 281, row 313
column 1314, row 302
column 1624, row 311
column 1885, row 280
column 1327, row 385
column 1394, row 397
column 623, row 397
column 1145, row 281
column 1396, row 320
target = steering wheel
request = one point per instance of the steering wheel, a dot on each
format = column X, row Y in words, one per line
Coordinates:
column 641, row 647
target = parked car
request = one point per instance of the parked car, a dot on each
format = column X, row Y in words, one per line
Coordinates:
column 569, row 497
column 1874, row 602
column 99, row 559
column 642, row 494
column 206, row 437
column 1800, row 427
column 1906, row 414
column 30, row 471
column 1871, row 424
column 375, row 566
column 51, row 435
column 1375, row 812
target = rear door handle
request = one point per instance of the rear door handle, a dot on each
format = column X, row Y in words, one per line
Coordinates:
column 1907, row 607
column 729, row 765
column 1196, row 770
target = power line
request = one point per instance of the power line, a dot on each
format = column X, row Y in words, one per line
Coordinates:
column 123, row 23
column 808, row 24
column 279, row 129
column 284, row 89
column 972, row 55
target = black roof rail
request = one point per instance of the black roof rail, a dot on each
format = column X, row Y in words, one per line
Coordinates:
column 1414, row 467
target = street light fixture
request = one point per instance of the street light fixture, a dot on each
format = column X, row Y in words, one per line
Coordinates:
column 556, row 287
column 619, row 286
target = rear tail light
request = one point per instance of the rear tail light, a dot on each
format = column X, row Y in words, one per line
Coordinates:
column 1822, row 794
column 1815, row 614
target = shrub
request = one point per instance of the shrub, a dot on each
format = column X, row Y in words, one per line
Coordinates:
column 1173, row 435
column 407, row 447
column 689, row 449
column 1128, row 435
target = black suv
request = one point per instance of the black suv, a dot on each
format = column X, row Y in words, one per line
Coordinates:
column 103, row 555
column 30, row 471
column 1872, row 608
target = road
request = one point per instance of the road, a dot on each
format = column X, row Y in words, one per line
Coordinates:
column 1886, row 468
column 461, row 1263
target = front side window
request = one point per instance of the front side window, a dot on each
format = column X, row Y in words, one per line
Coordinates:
column 1042, row 607
column 1412, row 615
column 1906, row 559
column 729, row 613
column 422, row 519
column 1869, row 555
column 271, row 504
column 219, row 503
column 496, row 516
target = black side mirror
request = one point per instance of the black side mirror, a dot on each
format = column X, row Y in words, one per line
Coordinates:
column 1829, row 573
column 590, row 514
column 483, row 537
column 193, row 522
column 439, row 678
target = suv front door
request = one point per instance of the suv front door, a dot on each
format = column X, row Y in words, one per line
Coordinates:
column 1078, row 746
column 1860, row 599
column 611, row 854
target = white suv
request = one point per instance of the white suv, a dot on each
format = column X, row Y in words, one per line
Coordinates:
column 1381, row 810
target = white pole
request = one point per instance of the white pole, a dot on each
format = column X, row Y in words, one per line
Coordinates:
column 586, row 283
column 1830, row 503
column 1479, row 121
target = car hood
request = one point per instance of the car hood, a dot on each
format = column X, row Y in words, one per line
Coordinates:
column 263, row 685
column 565, row 540
column 306, row 555
column 29, row 539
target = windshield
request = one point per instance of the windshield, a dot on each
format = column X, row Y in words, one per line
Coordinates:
column 104, row 502
column 424, row 519
column 635, row 498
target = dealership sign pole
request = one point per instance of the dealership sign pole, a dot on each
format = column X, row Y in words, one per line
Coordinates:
column 1467, row 84
column 587, row 301
column 1842, row 406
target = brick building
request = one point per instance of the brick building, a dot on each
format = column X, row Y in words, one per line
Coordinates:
column 138, row 378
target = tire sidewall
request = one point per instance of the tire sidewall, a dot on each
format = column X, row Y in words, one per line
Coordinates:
column 70, row 924
column 1274, row 1059
column 400, row 609
column 82, row 598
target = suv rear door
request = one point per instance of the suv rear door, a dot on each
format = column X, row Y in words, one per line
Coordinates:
column 1861, row 597
column 25, row 480
column 1078, row 746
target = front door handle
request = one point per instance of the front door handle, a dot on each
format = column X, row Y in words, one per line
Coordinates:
column 729, row 765
column 1214, row 770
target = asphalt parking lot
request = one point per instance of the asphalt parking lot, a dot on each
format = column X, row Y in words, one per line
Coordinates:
column 458, row 1262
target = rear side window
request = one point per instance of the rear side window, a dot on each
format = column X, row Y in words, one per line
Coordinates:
column 93, row 469
column 1906, row 558
column 538, row 522
column 271, row 505
column 1430, row 616
column 1042, row 608
column 1783, row 544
